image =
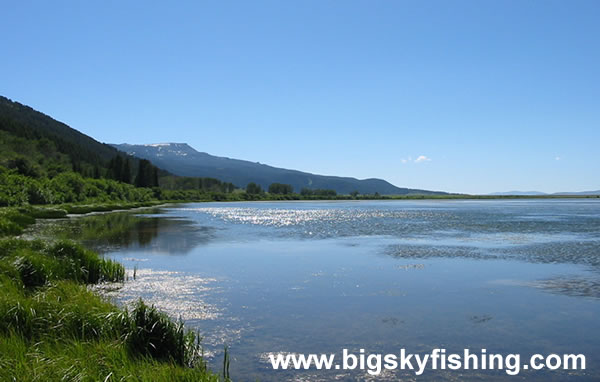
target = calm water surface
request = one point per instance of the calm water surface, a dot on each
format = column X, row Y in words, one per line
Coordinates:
column 315, row 277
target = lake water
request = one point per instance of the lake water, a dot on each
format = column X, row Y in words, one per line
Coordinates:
column 518, row 276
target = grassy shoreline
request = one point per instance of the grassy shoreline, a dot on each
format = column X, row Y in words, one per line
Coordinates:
column 53, row 327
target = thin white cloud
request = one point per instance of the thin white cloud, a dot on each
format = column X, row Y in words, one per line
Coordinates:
column 419, row 159
column 557, row 158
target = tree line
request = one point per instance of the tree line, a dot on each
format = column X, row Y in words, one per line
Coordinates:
column 287, row 189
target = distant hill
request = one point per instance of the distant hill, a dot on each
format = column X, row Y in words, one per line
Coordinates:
column 181, row 159
column 518, row 193
column 578, row 193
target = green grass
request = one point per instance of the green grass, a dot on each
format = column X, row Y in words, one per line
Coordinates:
column 152, row 333
column 69, row 360
column 37, row 263
column 13, row 220
column 47, row 212
column 52, row 327
column 104, row 207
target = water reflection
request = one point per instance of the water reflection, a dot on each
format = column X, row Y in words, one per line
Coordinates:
column 148, row 231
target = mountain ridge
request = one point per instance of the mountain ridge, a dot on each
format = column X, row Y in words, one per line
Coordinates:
column 183, row 160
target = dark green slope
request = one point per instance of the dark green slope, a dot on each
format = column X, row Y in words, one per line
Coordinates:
column 24, row 122
column 37, row 145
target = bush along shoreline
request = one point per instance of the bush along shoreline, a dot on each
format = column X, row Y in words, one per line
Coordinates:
column 53, row 327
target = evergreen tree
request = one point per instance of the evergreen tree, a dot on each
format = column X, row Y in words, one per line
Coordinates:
column 141, row 180
column 253, row 188
column 126, row 171
column 118, row 168
column 154, row 176
column 147, row 175
column 279, row 188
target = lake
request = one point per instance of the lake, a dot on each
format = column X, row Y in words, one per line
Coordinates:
column 510, row 276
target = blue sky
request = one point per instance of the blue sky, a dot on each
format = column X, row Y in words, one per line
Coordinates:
column 463, row 96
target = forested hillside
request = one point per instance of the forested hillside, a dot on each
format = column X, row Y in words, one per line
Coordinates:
column 44, row 161
column 26, row 131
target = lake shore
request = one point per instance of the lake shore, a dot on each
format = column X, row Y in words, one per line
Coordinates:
column 53, row 326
